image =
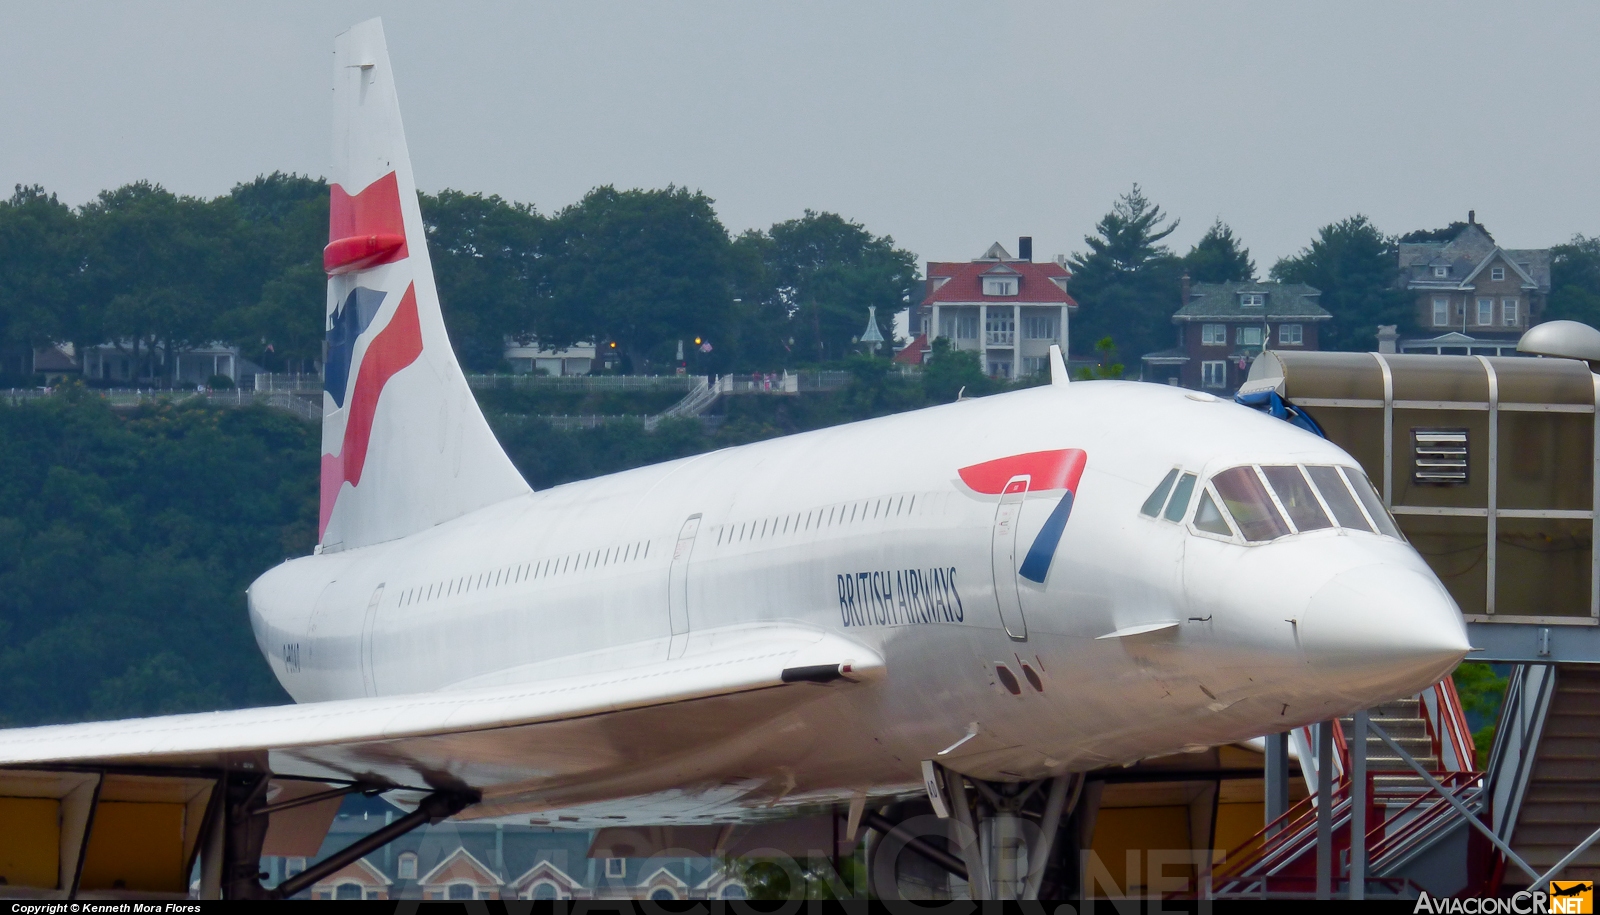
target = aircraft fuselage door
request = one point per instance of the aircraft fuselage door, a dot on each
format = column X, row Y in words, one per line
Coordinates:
column 678, row 586
column 368, row 677
column 1003, row 556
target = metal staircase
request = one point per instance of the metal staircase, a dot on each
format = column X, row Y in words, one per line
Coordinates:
column 1560, row 797
column 1403, row 720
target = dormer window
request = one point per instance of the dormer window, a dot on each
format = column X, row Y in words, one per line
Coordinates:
column 1441, row 272
column 1252, row 299
column 1497, row 273
column 999, row 285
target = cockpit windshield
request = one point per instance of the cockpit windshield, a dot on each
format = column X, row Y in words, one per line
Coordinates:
column 1272, row 501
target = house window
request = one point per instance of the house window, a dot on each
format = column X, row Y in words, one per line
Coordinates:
column 923, row 326
column 1036, row 365
column 996, row 285
column 1441, row 272
column 1256, row 299
column 959, row 326
column 999, row 368
column 1486, row 311
column 461, row 891
column 1214, row 374
column 999, row 329
column 1508, row 312
column 616, row 867
column 292, row 866
column 1214, row 335
column 1497, row 273
column 1291, row 334
column 1039, row 327
column 1441, row 311
column 406, row 869
column 1248, row 336
column 347, row 891
column 544, row 890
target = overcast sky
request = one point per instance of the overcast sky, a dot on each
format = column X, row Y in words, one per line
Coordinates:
column 945, row 125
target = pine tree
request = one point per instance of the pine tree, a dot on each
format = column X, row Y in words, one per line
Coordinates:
column 1127, row 283
column 1218, row 257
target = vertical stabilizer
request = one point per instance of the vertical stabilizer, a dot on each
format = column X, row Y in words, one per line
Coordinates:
column 404, row 445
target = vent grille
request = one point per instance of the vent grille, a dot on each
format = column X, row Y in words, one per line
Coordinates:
column 1439, row 456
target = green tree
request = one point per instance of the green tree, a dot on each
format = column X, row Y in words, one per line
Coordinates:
column 485, row 253
column 950, row 373
column 643, row 269
column 1108, row 368
column 285, row 223
column 1356, row 267
column 1127, row 283
column 824, row 271
column 1575, row 281
column 41, row 259
column 1219, row 257
column 165, row 269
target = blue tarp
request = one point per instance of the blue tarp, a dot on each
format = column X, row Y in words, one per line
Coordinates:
column 1272, row 403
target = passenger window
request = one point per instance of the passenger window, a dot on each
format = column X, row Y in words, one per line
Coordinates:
column 1345, row 510
column 1369, row 498
column 1297, row 498
column 1180, row 498
column 1209, row 518
column 1246, row 499
column 1152, row 505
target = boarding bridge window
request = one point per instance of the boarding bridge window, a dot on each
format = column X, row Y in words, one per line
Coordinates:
column 1439, row 457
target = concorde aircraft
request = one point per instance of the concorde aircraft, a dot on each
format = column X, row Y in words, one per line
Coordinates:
column 1020, row 586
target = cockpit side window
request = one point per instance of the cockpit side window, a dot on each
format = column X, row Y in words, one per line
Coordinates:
column 1290, row 485
column 1374, row 505
column 1178, row 506
column 1158, row 498
column 1209, row 518
column 1247, row 501
column 1331, row 484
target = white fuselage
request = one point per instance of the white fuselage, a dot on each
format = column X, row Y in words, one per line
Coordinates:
column 581, row 578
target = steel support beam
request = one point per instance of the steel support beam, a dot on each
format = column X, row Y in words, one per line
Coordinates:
column 1277, row 775
column 1324, row 810
column 435, row 806
column 1358, row 807
column 1534, row 643
column 943, row 859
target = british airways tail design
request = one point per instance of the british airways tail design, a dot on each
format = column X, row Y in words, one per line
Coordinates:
column 1021, row 586
column 404, row 445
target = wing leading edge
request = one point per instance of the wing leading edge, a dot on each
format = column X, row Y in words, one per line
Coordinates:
column 502, row 742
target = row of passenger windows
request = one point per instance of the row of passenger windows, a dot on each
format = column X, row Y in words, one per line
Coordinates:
column 818, row 518
column 528, row 571
column 1266, row 502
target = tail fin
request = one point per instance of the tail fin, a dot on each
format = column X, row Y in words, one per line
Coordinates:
column 404, row 445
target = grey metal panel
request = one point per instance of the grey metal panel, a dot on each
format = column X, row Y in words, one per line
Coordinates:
column 1577, row 642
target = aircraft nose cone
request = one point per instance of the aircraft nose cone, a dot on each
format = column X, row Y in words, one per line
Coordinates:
column 1382, row 630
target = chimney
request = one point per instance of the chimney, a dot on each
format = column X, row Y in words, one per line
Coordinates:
column 1185, row 288
column 1472, row 217
column 1025, row 248
column 1387, row 337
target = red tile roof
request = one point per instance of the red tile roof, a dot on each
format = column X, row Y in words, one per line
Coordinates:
column 965, row 284
column 912, row 354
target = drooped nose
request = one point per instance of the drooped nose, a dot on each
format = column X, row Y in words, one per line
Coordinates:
column 1380, row 631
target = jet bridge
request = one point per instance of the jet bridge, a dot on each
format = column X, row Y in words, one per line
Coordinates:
column 1491, row 467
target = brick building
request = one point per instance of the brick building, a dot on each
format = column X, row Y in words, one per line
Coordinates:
column 1223, row 326
column 1007, row 310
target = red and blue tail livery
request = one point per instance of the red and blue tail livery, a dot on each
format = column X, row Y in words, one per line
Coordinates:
column 1037, row 471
